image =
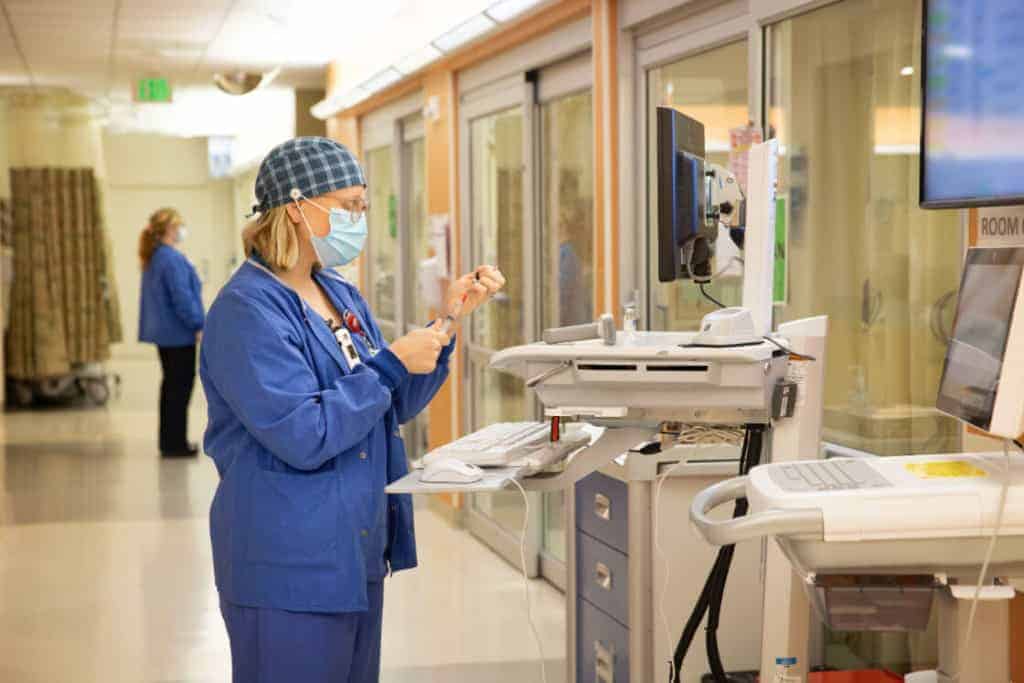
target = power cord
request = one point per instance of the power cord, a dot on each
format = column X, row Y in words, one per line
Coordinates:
column 709, row 602
column 526, row 581
column 709, row 297
column 988, row 553
column 666, row 566
column 690, row 435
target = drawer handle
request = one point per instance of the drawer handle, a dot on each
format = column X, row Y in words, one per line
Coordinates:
column 603, row 575
column 604, row 663
column 602, row 507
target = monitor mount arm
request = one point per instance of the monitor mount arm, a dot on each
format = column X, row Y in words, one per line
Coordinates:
column 726, row 204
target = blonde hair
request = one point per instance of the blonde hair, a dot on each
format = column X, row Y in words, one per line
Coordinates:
column 160, row 222
column 272, row 235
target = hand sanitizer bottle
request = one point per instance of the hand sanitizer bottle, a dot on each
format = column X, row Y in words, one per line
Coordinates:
column 784, row 671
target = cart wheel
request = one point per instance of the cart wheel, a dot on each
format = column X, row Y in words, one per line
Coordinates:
column 97, row 390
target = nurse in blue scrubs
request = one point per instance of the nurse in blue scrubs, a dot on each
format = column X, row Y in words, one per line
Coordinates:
column 305, row 402
column 171, row 317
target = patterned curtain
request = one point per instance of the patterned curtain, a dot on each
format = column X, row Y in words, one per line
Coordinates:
column 63, row 309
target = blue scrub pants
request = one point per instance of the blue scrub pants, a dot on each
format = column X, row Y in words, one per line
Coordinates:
column 277, row 646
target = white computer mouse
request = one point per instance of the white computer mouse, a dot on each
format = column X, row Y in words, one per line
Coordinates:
column 451, row 471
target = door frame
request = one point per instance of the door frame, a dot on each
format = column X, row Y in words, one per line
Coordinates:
column 507, row 94
column 724, row 24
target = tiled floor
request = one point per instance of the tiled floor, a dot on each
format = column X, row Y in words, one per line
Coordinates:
column 105, row 570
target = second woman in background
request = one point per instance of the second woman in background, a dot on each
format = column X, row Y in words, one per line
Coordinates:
column 171, row 316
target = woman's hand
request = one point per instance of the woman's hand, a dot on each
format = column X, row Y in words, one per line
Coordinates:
column 476, row 287
column 419, row 349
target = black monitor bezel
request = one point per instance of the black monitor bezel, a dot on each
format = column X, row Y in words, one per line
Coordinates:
column 978, row 256
column 670, row 121
column 959, row 202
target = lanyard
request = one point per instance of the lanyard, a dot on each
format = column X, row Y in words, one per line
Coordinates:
column 352, row 324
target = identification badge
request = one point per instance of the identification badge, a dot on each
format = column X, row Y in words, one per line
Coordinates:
column 348, row 348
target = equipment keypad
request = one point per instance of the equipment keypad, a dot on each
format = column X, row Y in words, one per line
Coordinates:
column 840, row 474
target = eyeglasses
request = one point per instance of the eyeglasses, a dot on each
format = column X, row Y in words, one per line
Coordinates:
column 356, row 207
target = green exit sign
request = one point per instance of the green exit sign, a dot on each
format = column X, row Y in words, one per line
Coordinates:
column 153, row 90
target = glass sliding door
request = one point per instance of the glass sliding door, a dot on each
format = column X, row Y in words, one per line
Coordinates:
column 528, row 172
column 382, row 247
column 497, row 193
column 843, row 99
column 711, row 87
column 846, row 114
column 424, row 288
column 566, row 244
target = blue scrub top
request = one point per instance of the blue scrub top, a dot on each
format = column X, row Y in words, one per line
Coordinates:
column 171, row 301
column 305, row 446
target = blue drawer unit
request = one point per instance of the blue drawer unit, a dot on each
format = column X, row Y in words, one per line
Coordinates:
column 602, row 647
column 602, row 577
column 602, row 510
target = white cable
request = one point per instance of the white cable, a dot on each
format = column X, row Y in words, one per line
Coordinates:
column 666, row 566
column 526, row 581
column 988, row 556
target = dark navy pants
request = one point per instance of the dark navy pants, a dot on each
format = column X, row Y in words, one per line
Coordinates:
column 277, row 646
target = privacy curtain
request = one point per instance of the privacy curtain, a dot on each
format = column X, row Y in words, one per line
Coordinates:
column 64, row 307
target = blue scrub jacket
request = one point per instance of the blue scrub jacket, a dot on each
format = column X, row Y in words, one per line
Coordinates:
column 171, row 302
column 305, row 447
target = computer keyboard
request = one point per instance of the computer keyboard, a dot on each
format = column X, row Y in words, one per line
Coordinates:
column 507, row 443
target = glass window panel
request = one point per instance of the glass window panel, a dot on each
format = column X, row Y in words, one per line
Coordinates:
column 567, row 243
column 496, row 167
column 382, row 221
column 860, row 249
column 846, row 111
column 567, row 252
column 712, row 88
column 426, row 288
column 496, row 147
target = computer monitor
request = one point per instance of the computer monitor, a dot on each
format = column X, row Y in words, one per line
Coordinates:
column 983, row 378
column 972, row 132
column 683, row 239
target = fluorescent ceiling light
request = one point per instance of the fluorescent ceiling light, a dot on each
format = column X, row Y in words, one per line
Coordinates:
column 907, row 71
column 464, row 32
column 418, row 59
column 507, row 9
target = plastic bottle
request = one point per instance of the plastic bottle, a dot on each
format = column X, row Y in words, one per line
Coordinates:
column 784, row 672
column 629, row 323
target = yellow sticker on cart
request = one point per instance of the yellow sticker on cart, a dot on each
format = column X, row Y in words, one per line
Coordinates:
column 950, row 469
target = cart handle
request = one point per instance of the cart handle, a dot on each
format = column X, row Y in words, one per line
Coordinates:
column 752, row 526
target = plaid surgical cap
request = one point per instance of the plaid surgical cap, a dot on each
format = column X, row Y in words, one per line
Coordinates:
column 311, row 165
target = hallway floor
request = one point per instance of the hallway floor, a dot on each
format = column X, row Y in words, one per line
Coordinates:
column 106, row 576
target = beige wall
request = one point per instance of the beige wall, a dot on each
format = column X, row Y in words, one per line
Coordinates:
column 306, row 123
column 150, row 171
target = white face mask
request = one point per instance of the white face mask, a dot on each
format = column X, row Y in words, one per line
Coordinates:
column 182, row 234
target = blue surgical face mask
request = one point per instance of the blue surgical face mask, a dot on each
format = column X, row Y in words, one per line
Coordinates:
column 345, row 240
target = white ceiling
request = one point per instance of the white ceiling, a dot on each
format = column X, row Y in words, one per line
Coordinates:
column 99, row 48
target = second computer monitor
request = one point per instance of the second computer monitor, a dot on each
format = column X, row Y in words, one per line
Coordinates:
column 983, row 378
column 682, row 239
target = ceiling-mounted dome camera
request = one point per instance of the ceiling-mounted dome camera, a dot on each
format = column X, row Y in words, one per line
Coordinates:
column 244, row 82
